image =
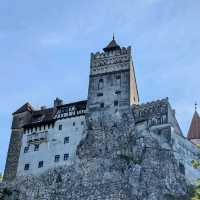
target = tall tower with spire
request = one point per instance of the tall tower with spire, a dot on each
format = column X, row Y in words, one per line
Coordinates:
column 112, row 83
column 194, row 130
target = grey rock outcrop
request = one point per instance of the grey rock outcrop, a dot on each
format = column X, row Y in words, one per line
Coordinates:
column 116, row 160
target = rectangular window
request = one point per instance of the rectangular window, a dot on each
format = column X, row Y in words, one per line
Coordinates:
column 82, row 123
column 57, row 158
column 40, row 164
column 26, row 167
column 102, row 105
column 66, row 140
column 115, row 103
column 99, row 94
column 74, row 123
column 26, row 149
column 66, row 156
column 118, row 92
column 36, row 147
column 60, row 127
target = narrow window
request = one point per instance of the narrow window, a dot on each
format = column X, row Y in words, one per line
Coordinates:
column 66, row 156
column 102, row 105
column 60, row 127
column 115, row 103
column 26, row 167
column 26, row 149
column 40, row 164
column 118, row 79
column 52, row 125
column 49, row 126
column 36, row 129
column 36, row 147
column 100, row 84
column 74, row 123
column 66, row 140
column 57, row 158
column 39, row 128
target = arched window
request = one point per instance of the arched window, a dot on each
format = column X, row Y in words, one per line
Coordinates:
column 100, row 84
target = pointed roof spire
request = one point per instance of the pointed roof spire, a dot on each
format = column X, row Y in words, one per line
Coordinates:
column 194, row 130
column 195, row 106
column 112, row 45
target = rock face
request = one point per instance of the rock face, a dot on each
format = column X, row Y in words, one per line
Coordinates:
column 116, row 160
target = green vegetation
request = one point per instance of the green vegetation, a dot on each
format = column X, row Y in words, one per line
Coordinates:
column 196, row 164
column 195, row 192
column 1, row 177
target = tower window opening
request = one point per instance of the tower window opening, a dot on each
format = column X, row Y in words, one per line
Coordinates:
column 102, row 105
column 100, row 84
column 116, row 103
column 26, row 167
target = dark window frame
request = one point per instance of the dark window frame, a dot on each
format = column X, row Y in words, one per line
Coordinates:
column 66, row 156
column 26, row 166
column 66, row 140
column 40, row 164
column 57, row 158
column 36, row 147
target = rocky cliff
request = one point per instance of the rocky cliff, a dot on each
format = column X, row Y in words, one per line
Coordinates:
column 117, row 159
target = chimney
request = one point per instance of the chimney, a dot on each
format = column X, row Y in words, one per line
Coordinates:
column 43, row 107
column 58, row 102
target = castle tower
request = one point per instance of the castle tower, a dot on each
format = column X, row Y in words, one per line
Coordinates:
column 20, row 118
column 194, row 130
column 112, row 83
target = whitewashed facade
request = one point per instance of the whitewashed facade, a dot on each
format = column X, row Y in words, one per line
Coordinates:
column 52, row 145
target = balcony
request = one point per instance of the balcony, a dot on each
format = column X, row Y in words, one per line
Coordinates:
column 37, row 137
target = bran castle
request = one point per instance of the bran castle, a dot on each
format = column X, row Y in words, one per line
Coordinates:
column 47, row 138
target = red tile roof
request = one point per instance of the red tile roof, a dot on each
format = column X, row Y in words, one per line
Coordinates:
column 194, row 131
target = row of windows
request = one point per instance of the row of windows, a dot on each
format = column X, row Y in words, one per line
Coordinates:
column 74, row 124
column 36, row 146
column 101, row 82
column 44, row 127
column 116, row 103
column 41, row 163
column 100, row 94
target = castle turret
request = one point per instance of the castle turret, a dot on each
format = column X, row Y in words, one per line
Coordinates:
column 194, row 130
column 20, row 118
column 112, row 83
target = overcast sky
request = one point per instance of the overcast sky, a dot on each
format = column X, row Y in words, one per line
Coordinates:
column 45, row 51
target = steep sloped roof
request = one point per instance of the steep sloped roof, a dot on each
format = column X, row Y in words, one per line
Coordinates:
column 194, row 130
column 112, row 46
column 26, row 107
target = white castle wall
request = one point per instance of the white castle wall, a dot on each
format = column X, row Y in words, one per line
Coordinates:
column 53, row 146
